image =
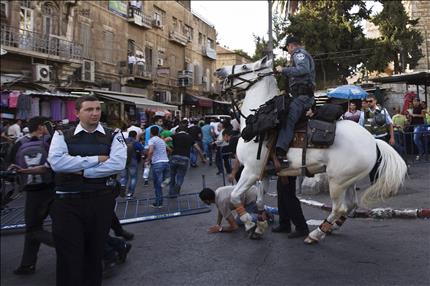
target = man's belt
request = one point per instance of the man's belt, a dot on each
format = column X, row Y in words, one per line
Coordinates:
column 302, row 89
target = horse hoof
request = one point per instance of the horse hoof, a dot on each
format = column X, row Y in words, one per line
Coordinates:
column 310, row 240
column 251, row 231
column 255, row 236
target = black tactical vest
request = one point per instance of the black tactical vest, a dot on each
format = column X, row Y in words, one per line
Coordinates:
column 84, row 144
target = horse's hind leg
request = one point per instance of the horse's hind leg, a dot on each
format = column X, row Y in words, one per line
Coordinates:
column 339, row 209
column 350, row 202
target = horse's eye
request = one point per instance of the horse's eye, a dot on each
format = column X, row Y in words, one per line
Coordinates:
column 244, row 67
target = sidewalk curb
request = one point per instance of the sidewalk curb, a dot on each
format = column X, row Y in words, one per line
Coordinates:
column 375, row 213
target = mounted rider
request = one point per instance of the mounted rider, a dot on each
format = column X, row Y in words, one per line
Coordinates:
column 301, row 75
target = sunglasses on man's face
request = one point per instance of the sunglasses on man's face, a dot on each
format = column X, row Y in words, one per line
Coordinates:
column 369, row 101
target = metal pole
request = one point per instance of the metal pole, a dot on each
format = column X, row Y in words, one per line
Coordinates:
column 270, row 43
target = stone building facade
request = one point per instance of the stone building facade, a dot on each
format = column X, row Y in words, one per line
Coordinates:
column 421, row 9
column 155, row 49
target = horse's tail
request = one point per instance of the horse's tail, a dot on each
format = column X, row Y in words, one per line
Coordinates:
column 391, row 174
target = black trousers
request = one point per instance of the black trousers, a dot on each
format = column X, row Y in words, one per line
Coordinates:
column 37, row 207
column 80, row 227
column 116, row 225
column 289, row 207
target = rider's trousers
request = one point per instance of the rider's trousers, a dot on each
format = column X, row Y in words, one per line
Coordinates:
column 296, row 109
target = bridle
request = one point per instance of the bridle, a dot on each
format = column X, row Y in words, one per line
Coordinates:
column 229, row 89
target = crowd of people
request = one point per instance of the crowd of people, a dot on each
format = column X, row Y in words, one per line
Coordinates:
column 77, row 163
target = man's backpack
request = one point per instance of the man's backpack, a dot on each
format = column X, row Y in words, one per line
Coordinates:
column 132, row 152
column 33, row 153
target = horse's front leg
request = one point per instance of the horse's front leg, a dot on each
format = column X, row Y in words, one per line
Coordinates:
column 338, row 212
column 247, row 179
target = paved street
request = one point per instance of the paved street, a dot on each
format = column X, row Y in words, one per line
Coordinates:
column 179, row 251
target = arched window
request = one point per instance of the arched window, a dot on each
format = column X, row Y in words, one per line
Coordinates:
column 50, row 19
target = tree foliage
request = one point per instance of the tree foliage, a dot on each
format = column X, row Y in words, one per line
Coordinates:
column 399, row 40
column 242, row 53
column 331, row 32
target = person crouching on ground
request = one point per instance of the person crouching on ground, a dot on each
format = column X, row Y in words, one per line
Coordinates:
column 221, row 198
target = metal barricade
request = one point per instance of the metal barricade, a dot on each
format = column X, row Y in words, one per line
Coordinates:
column 414, row 146
column 128, row 210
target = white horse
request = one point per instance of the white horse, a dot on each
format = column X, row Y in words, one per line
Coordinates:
column 351, row 157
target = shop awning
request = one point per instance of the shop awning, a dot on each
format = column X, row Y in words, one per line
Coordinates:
column 53, row 94
column 132, row 98
column 222, row 102
column 417, row 78
column 201, row 101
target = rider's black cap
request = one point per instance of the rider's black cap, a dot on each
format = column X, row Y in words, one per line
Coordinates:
column 289, row 40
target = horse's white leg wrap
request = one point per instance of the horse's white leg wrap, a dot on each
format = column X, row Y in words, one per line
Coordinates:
column 246, row 218
column 319, row 233
column 261, row 227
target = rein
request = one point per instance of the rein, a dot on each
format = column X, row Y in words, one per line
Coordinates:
column 233, row 87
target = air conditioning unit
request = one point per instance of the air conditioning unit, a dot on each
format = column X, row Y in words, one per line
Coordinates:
column 88, row 71
column 157, row 23
column 204, row 79
column 41, row 73
column 160, row 62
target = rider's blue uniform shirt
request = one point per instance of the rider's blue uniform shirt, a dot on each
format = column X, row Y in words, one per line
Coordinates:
column 302, row 71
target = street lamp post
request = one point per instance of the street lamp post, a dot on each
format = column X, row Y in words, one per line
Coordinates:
column 270, row 43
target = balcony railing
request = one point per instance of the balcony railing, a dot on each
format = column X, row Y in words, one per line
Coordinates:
column 143, row 71
column 35, row 42
column 209, row 52
column 178, row 38
column 139, row 18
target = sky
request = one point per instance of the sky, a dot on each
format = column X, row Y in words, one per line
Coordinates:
column 237, row 21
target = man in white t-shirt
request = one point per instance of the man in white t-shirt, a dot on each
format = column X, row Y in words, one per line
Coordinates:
column 138, row 130
column 157, row 155
column 14, row 131
column 221, row 198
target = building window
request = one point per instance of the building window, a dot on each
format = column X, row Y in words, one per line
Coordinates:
column 26, row 3
column 50, row 19
column 175, row 24
column 159, row 16
column 210, row 43
column 85, row 39
column 131, row 47
column 200, row 38
column 26, row 19
column 188, row 31
column 4, row 8
column 108, row 46
column 138, row 5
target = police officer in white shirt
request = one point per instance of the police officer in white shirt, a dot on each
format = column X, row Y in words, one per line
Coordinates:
column 85, row 159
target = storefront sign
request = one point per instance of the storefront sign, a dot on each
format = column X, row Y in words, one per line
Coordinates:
column 119, row 7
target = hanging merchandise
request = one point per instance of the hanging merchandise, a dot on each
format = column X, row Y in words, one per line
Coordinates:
column 35, row 109
column 70, row 110
column 56, row 109
column 45, row 109
column 4, row 99
column 13, row 98
column 24, row 107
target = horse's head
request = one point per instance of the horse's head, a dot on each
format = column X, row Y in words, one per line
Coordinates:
column 243, row 76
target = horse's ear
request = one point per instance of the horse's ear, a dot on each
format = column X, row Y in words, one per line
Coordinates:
column 260, row 63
